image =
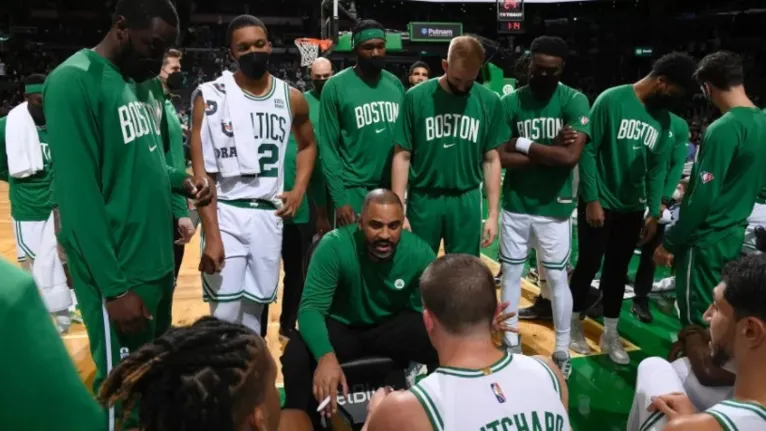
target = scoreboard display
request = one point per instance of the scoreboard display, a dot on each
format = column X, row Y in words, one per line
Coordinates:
column 510, row 16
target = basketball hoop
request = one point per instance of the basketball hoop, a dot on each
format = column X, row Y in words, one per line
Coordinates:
column 310, row 49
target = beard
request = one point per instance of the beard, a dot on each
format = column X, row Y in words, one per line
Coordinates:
column 375, row 249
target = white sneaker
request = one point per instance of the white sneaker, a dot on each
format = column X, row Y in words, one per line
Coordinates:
column 612, row 344
column 578, row 343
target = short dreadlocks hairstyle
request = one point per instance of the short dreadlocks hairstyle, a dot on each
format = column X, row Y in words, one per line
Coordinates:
column 550, row 45
column 677, row 68
column 138, row 14
column 202, row 377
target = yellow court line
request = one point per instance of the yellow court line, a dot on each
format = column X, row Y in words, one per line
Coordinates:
column 494, row 266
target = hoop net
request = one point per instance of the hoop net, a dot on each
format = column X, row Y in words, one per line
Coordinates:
column 310, row 48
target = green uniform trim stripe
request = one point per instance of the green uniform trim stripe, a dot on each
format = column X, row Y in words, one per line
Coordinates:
column 556, row 384
column 430, row 408
column 726, row 423
column 651, row 420
column 468, row 373
column 753, row 407
column 508, row 260
column 20, row 241
column 259, row 204
column 270, row 93
column 564, row 262
column 287, row 100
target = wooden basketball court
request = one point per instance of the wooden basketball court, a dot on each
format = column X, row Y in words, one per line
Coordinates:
column 537, row 338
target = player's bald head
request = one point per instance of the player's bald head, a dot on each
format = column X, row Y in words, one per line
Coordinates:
column 321, row 66
column 459, row 291
column 466, row 50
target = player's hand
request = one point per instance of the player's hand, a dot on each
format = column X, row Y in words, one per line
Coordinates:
column 673, row 405
column 128, row 313
column 323, row 224
column 490, row 232
column 212, row 259
column 499, row 323
column 662, row 257
column 567, row 136
column 291, row 201
column 327, row 377
column 594, row 214
column 186, row 230
column 406, row 225
column 648, row 232
column 344, row 215
column 199, row 189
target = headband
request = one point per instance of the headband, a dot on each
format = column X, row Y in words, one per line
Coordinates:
column 33, row 89
column 365, row 35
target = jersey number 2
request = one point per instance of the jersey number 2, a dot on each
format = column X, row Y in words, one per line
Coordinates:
column 268, row 160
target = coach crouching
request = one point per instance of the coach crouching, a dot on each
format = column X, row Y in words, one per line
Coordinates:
column 361, row 299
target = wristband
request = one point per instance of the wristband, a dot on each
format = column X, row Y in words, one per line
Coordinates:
column 523, row 144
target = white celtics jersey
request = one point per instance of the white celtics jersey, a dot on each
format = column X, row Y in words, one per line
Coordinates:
column 739, row 416
column 271, row 118
column 518, row 392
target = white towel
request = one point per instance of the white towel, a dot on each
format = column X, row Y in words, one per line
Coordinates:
column 22, row 143
column 226, row 125
column 48, row 271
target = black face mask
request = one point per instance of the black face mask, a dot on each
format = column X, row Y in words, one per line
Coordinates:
column 371, row 66
column 254, row 64
column 318, row 84
column 543, row 86
column 37, row 114
column 660, row 100
column 175, row 81
column 456, row 91
column 139, row 67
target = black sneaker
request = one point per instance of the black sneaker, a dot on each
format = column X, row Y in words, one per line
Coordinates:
column 540, row 310
column 499, row 279
column 640, row 309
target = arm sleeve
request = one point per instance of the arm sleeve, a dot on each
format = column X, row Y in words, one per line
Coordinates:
column 716, row 153
column 329, row 140
column 403, row 132
column 677, row 160
column 499, row 132
column 71, row 114
column 589, row 183
column 319, row 289
column 577, row 113
column 657, row 172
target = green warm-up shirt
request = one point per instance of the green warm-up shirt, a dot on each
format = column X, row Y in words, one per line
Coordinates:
column 725, row 181
column 112, row 179
column 175, row 155
column 626, row 161
column 35, row 368
column 345, row 284
column 30, row 196
column 679, row 136
column 356, row 131
column 543, row 190
column 447, row 135
column 317, row 191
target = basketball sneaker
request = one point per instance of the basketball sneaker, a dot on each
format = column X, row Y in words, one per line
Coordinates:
column 541, row 309
column 612, row 344
column 640, row 309
column 578, row 343
column 564, row 363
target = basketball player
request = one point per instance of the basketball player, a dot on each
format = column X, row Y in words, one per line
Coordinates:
column 724, row 185
column 549, row 128
column 29, row 185
column 356, row 129
column 755, row 233
column 298, row 230
column 172, row 81
column 477, row 387
column 361, row 298
column 246, row 218
column 35, row 357
column 227, row 361
column 622, row 172
column 446, row 141
column 104, row 120
column 419, row 72
column 679, row 135
column 737, row 319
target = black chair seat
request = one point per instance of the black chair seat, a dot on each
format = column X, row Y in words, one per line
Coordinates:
column 365, row 376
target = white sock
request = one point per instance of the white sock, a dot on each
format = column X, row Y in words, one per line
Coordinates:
column 561, row 302
column 512, row 293
column 610, row 325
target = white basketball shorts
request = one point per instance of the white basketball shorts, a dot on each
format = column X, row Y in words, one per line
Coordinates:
column 29, row 235
column 551, row 237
